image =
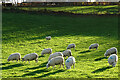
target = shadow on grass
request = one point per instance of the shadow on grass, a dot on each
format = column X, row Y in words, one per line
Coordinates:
column 41, row 56
column 12, row 66
column 85, row 51
column 40, row 66
column 101, row 69
column 97, row 59
column 4, row 63
column 51, row 73
column 35, row 72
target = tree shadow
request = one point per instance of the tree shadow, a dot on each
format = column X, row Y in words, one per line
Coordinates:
column 12, row 66
column 97, row 59
column 51, row 73
column 85, row 51
column 40, row 66
column 101, row 69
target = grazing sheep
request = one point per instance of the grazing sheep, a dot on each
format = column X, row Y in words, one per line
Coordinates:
column 112, row 60
column 14, row 56
column 71, row 46
column 92, row 46
column 55, row 55
column 30, row 57
column 69, row 62
column 46, row 51
column 67, row 53
column 59, row 60
column 110, row 51
column 48, row 38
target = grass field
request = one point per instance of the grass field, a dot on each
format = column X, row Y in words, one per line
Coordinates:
column 25, row 33
column 111, row 9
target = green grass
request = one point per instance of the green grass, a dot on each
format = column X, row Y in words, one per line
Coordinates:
column 25, row 33
column 111, row 9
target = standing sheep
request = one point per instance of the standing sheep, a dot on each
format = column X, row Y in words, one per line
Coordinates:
column 67, row 53
column 46, row 51
column 14, row 56
column 112, row 60
column 110, row 51
column 71, row 46
column 55, row 55
column 59, row 60
column 48, row 38
column 30, row 57
column 92, row 46
column 69, row 62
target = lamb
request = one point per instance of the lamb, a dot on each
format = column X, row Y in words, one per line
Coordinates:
column 55, row 55
column 71, row 46
column 30, row 57
column 67, row 53
column 48, row 38
column 14, row 56
column 59, row 60
column 110, row 51
column 112, row 60
column 92, row 46
column 69, row 62
column 46, row 51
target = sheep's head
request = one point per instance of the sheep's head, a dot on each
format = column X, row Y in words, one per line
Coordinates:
column 68, row 67
column 22, row 59
column 89, row 48
column 48, row 65
column 105, row 55
column 113, row 64
column 42, row 54
column 8, row 60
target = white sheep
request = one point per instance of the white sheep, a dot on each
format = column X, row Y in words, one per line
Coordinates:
column 48, row 38
column 46, row 51
column 71, row 46
column 69, row 62
column 92, row 46
column 55, row 55
column 30, row 57
column 67, row 53
column 59, row 60
column 14, row 56
column 112, row 60
column 110, row 51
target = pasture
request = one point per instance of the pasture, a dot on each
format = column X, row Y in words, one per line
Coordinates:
column 25, row 33
column 110, row 9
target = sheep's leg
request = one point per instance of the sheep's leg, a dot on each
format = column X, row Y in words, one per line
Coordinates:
column 16, row 60
column 36, row 61
column 53, row 67
column 63, row 65
column 60, row 65
column 73, row 65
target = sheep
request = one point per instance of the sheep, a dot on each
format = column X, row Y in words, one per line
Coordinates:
column 14, row 56
column 30, row 57
column 59, row 60
column 69, row 62
column 112, row 60
column 67, row 53
column 48, row 38
column 110, row 51
column 92, row 46
column 71, row 46
column 46, row 51
column 55, row 55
